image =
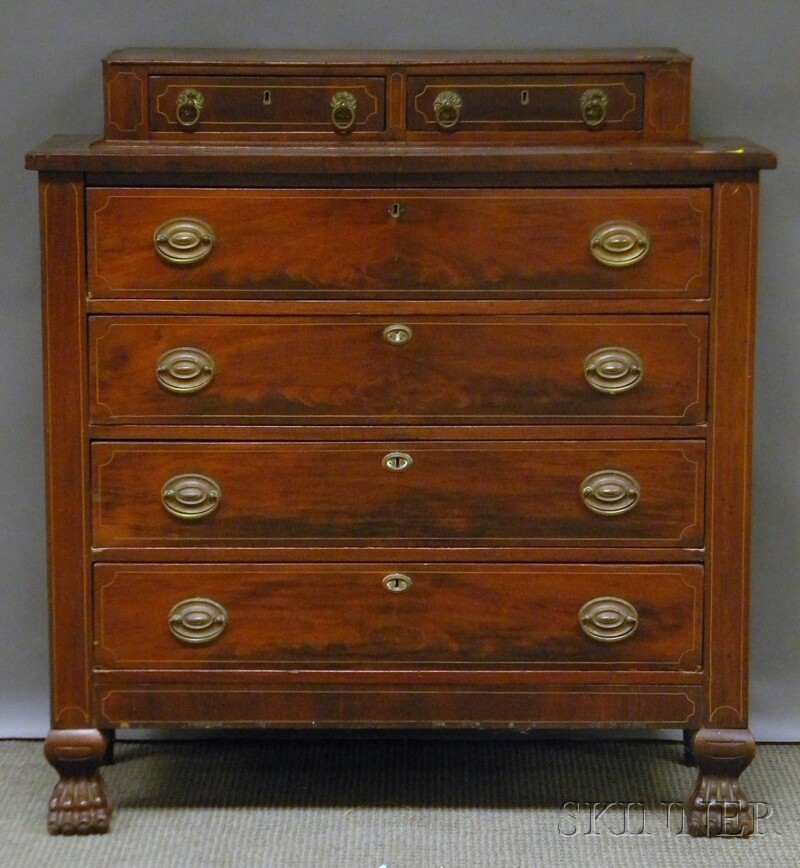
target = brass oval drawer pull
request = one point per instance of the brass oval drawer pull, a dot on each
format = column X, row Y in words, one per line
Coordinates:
column 197, row 621
column 608, row 619
column 396, row 583
column 397, row 461
column 613, row 370
column 190, row 495
column 343, row 110
column 447, row 109
column 594, row 105
column 184, row 370
column 184, row 240
column 397, row 334
column 619, row 243
column 610, row 492
column 189, row 107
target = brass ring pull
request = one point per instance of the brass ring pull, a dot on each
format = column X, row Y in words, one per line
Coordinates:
column 397, row 334
column 397, row 461
column 619, row 244
column 594, row 105
column 197, row 621
column 189, row 107
column 184, row 370
column 613, row 370
column 396, row 583
column 610, row 492
column 343, row 110
column 608, row 619
column 190, row 496
column 447, row 109
column 184, row 240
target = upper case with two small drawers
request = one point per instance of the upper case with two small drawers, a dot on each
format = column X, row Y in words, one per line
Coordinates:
column 250, row 96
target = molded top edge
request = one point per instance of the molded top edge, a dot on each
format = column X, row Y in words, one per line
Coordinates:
column 87, row 153
column 283, row 57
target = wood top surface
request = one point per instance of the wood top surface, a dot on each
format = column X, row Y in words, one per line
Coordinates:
column 91, row 154
column 316, row 57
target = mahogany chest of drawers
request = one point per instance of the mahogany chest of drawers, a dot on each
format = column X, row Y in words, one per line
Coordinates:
column 398, row 391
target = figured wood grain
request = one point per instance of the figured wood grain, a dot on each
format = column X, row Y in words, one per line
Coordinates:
column 67, row 462
column 417, row 707
column 445, row 243
column 498, row 494
column 553, row 102
column 297, row 104
column 667, row 106
column 730, row 445
column 125, row 109
column 479, row 237
column 268, row 369
column 445, row 164
column 557, row 78
column 342, row 616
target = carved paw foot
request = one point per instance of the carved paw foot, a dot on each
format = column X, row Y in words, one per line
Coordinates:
column 79, row 806
column 718, row 805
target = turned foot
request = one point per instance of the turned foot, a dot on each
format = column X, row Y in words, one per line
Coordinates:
column 79, row 804
column 717, row 805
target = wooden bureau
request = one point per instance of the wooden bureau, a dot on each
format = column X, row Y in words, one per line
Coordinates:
column 400, row 391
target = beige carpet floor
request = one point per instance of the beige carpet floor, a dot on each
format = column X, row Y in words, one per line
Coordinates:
column 396, row 802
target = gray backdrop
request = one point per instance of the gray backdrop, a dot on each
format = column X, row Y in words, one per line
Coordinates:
column 746, row 82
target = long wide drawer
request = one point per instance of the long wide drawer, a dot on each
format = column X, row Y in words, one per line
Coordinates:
column 354, row 243
column 642, row 493
column 452, row 369
column 201, row 616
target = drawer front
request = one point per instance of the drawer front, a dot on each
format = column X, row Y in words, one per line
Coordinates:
column 414, row 370
column 226, row 615
column 186, row 105
column 547, row 103
column 633, row 493
column 407, row 243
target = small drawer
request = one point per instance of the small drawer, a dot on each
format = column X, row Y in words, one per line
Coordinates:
column 640, row 493
column 555, row 104
column 202, row 616
column 405, row 243
column 413, row 370
column 225, row 106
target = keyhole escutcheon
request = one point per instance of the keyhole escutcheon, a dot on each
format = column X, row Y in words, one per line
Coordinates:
column 397, row 461
column 396, row 583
